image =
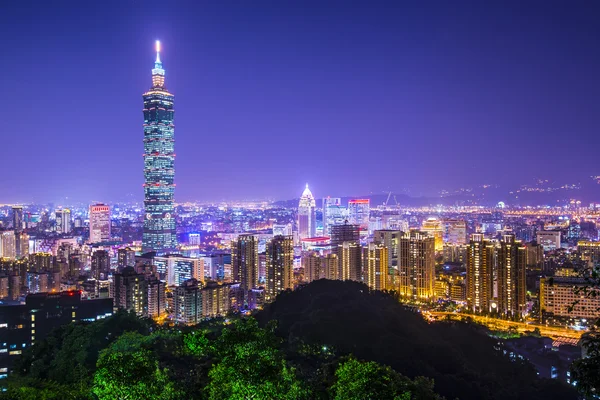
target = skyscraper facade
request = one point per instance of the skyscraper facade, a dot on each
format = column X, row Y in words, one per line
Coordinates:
column 433, row 227
column 333, row 214
column 416, row 266
column 480, row 273
column 99, row 223
column 18, row 228
column 244, row 261
column 376, row 266
column 280, row 266
column 159, row 169
column 307, row 219
column 512, row 287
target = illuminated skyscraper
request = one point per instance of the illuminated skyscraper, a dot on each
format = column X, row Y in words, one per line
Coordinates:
column 433, row 227
column 99, row 223
column 333, row 214
column 512, row 287
column 280, row 266
column 416, row 266
column 18, row 228
column 244, row 261
column 159, row 158
column 480, row 273
column 358, row 214
column 349, row 261
column 307, row 220
column 376, row 266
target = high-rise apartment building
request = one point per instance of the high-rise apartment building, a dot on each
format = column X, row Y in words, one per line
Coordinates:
column 359, row 211
column 100, row 264
column 280, row 266
column 99, row 223
column 391, row 240
column 125, row 258
column 376, row 266
column 244, row 262
column 156, row 297
column 215, row 299
column 187, row 302
column 131, row 291
column 512, row 288
column 8, row 245
column 433, row 227
column 307, row 219
column 590, row 251
column 312, row 264
column 18, row 229
column 416, row 266
column 349, row 256
column 159, row 164
column 480, row 273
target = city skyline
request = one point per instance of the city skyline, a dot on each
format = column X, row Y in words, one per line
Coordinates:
column 427, row 85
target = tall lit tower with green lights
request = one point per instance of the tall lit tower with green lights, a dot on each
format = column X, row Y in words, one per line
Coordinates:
column 159, row 159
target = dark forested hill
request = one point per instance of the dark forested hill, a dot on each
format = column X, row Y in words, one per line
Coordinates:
column 464, row 362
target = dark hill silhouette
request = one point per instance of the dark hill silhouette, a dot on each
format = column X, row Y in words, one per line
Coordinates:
column 464, row 362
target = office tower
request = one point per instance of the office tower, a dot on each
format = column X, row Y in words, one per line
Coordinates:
column 131, row 291
column 159, row 165
column 455, row 231
column 63, row 220
column 312, row 263
column 344, row 233
column 550, row 240
column 349, row 261
column 535, row 256
column 433, row 227
column 307, row 219
column 480, row 273
column 391, row 240
column 99, row 223
column 512, row 262
column 100, row 264
column 78, row 222
column 156, row 297
column 333, row 214
column 8, row 247
column 358, row 214
column 215, row 300
column 58, row 220
column 14, row 286
column 18, row 229
column 280, row 266
column 194, row 239
column 188, row 302
column 376, row 266
column 74, row 265
column 125, row 258
column 416, row 266
column 244, row 262
column 17, row 218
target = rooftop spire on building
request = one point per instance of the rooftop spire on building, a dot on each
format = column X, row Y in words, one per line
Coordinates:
column 158, row 73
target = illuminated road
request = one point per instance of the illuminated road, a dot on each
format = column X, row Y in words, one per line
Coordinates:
column 554, row 332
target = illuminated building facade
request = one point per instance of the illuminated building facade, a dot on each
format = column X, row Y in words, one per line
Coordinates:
column 455, row 231
column 512, row 288
column 550, row 240
column 280, row 266
column 358, row 214
column 63, row 220
column 159, row 165
column 100, row 264
column 480, row 273
column 18, row 228
column 391, row 240
column 349, row 261
column 559, row 298
column 590, row 251
column 244, row 262
column 376, row 266
column 188, row 302
column 312, row 262
column 307, row 217
column 131, row 291
column 416, row 266
column 99, row 223
column 433, row 227
column 8, row 248
column 333, row 214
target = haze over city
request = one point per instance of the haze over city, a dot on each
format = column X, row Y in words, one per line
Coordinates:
column 354, row 99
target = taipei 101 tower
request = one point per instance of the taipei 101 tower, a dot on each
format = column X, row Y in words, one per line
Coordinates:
column 159, row 159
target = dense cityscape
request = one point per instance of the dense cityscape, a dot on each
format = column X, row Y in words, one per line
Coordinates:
column 482, row 291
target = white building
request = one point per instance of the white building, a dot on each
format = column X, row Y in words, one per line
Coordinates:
column 99, row 223
column 550, row 240
column 307, row 220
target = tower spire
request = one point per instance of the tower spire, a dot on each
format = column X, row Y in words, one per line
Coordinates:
column 158, row 52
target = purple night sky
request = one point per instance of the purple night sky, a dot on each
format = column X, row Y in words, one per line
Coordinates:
column 351, row 97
